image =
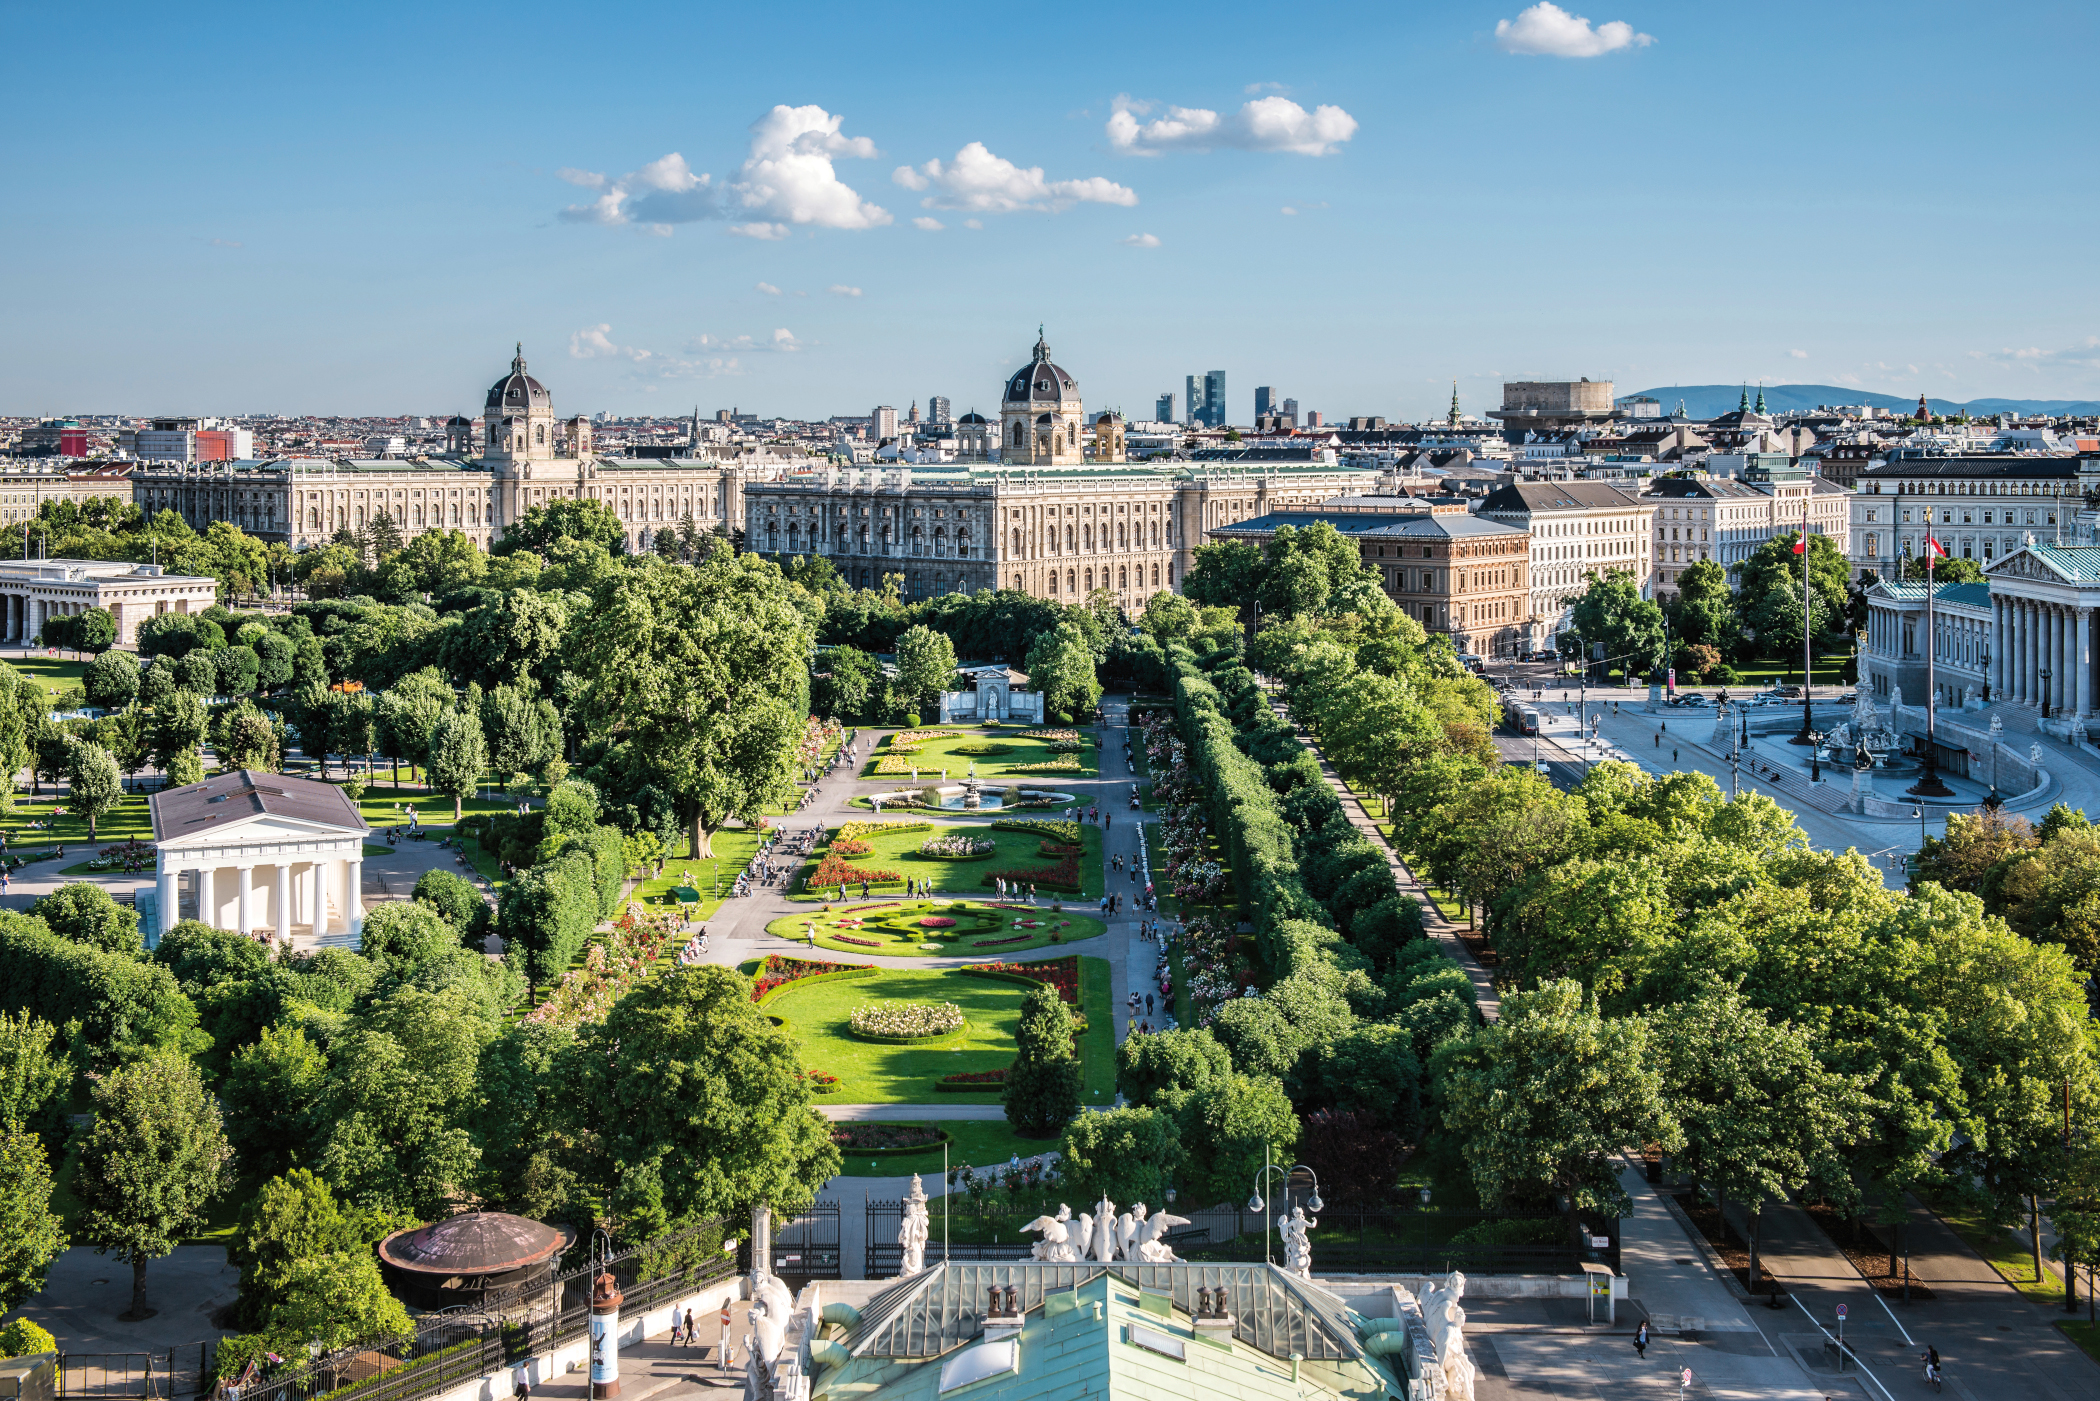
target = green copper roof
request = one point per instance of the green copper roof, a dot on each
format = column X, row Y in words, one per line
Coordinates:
column 1078, row 1339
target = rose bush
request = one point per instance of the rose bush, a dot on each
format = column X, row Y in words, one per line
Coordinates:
column 906, row 1019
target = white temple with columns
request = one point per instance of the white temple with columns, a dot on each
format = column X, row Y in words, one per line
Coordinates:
column 260, row 854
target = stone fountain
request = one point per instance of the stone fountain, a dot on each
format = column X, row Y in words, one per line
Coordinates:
column 972, row 800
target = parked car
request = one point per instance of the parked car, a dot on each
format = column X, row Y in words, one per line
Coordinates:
column 1690, row 698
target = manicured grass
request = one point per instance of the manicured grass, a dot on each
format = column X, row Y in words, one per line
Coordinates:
column 894, row 928
column 899, row 852
column 2086, row 1335
column 54, row 674
column 932, row 755
column 1066, row 808
column 384, row 805
column 873, row 1073
column 128, row 819
column 2010, row 1255
column 972, row 1143
column 734, row 848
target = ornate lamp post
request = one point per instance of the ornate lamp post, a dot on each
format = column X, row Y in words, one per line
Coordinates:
column 2044, row 674
column 1260, row 1208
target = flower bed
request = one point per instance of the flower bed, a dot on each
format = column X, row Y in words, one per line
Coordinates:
column 965, row 1082
column 863, row 943
column 1048, row 827
column 1054, row 736
column 1063, row 876
column 936, row 922
column 959, row 848
column 907, row 738
column 996, row 943
column 836, row 870
column 981, row 749
column 849, row 846
column 1064, row 763
column 855, row 830
column 823, row 1084
column 1059, row 973
column 777, row 972
column 886, row 1138
column 906, row 1021
column 903, row 765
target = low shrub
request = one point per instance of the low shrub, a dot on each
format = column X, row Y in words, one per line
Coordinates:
column 981, row 749
column 1054, row 829
column 858, row 829
column 822, row 1083
column 971, row 1081
column 886, row 1138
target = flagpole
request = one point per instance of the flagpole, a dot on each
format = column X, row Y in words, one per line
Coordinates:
column 1929, row 784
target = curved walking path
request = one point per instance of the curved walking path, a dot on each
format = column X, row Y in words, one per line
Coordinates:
column 1443, row 930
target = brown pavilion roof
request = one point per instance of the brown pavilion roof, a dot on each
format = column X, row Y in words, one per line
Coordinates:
column 226, row 798
column 478, row 1243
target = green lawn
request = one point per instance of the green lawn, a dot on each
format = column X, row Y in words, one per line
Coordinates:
column 734, row 848
column 933, row 755
column 873, row 1073
column 892, row 928
column 54, row 674
column 1064, row 807
column 384, row 805
column 2086, row 1335
column 899, row 852
column 128, row 819
column 972, row 1143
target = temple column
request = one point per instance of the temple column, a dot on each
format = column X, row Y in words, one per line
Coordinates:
column 168, row 885
column 319, row 879
column 244, row 896
column 353, row 894
column 281, row 916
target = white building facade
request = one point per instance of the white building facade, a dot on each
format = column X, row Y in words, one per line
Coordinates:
column 260, row 854
column 1577, row 528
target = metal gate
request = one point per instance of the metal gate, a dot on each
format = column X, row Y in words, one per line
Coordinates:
column 807, row 1247
column 108, row 1375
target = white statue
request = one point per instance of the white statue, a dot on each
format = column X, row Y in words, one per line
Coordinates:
column 1297, row 1242
column 1128, row 1227
column 1059, row 1242
column 1103, row 1242
column 1997, row 726
column 1150, row 1249
column 2034, row 755
column 1445, row 1319
column 913, row 1232
column 1968, row 698
column 767, row 1335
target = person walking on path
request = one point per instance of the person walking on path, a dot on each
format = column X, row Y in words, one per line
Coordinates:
column 1640, row 1340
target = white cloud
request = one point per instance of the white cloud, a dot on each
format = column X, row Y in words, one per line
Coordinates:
column 1547, row 29
column 788, row 179
column 979, row 181
column 2083, row 356
column 840, row 289
column 1288, row 210
column 784, row 339
column 1265, row 124
column 928, row 224
column 225, row 243
column 1798, row 354
column 1252, row 88
column 702, row 357
column 769, row 289
column 1142, row 241
column 973, row 223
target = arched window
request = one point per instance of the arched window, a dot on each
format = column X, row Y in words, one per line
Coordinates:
column 1090, row 581
column 1155, row 576
column 1017, row 435
column 1071, row 582
column 1072, row 435
column 313, row 519
column 1017, row 544
column 1017, row 582
column 1122, row 578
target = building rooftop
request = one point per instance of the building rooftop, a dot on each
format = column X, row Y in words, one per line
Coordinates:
column 1558, row 496
column 1974, row 465
column 227, row 798
column 1423, row 524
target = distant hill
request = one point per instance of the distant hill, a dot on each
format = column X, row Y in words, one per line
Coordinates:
column 1708, row 400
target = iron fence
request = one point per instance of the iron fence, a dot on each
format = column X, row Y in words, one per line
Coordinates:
column 471, row 1340
column 1346, row 1241
column 107, row 1375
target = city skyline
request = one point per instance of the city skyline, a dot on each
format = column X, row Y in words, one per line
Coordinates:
column 1193, row 194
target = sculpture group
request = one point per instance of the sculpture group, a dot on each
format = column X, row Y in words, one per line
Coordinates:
column 1103, row 1235
column 1446, row 1322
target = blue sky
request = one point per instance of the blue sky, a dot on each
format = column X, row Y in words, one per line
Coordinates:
column 234, row 208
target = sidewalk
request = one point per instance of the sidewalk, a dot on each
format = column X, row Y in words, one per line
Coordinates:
column 1443, row 930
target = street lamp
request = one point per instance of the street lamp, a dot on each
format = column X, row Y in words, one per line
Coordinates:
column 1260, row 1208
column 1815, row 756
column 2044, row 674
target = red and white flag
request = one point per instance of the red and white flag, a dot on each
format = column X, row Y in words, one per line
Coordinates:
column 1933, row 549
column 1801, row 545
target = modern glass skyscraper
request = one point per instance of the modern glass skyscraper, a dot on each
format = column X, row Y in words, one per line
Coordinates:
column 1264, row 401
column 1163, row 411
column 937, row 409
column 1214, row 399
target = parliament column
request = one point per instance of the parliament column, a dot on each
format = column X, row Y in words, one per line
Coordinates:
column 1997, row 648
column 2020, row 668
column 2081, row 658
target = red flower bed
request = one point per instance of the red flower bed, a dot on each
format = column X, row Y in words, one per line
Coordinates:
column 836, row 870
column 995, row 943
column 850, row 846
column 1059, row 973
column 779, row 972
column 1063, row 876
column 975, row 1077
column 864, row 943
column 936, row 922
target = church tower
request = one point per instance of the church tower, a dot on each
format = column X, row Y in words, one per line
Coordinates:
column 1039, row 417
column 518, row 421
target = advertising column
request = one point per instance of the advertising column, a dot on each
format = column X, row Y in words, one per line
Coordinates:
column 605, row 1337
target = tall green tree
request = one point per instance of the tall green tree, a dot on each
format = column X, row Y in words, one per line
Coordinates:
column 696, row 1106
column 408, row 712
column 1042, row 1085
column 458, row 756
column 31, row 1233
column 1611, row 611
column 178, row 730
column 701, row 674
column 151, row 1166
column 925, row 665
column 112, row 680
column 93, row 785
column 1541, row 1098
column 1061, row 666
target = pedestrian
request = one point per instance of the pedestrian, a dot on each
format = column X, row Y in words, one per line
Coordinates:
column 1148, row 1004
column 1658, row 740
column 1640, row 1340
column 677, row 1325
column 523, row 1390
